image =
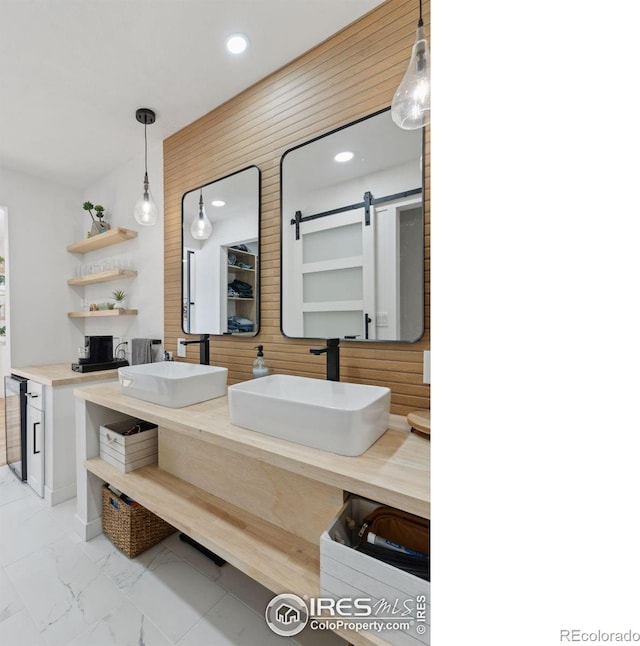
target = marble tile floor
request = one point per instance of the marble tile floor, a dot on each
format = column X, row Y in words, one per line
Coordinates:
column 56, row 590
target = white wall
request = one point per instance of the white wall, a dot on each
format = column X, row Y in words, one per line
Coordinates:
column 118, row 193
column 42, row 220
column 385, row 182
column 5, row 344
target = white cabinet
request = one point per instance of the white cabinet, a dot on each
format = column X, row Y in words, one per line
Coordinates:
column 51, row 437
column 35, row 437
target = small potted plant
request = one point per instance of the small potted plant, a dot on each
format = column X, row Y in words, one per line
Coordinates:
column 98, row 225
column 120, row 297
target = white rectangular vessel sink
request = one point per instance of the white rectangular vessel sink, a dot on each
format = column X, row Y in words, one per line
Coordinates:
column 329, row 415
column 172, row 383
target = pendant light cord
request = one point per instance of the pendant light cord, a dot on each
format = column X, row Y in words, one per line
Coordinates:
column 420, row 23
column 145, row 139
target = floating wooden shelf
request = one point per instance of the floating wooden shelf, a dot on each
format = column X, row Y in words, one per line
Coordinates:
column 103, row 276
column 113, row 236
column 80, row 315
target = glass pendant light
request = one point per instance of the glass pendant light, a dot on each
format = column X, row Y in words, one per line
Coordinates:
column 146, row 211
column 411, row 105
column 201, row 227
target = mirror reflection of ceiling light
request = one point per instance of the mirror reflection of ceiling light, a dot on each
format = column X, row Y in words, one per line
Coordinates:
column 345, row 156
column 218, row 203
column 201, row 227
column 237, row 43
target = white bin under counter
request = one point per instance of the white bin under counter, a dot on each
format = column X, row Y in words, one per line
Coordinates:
column 57, row 382
column 396, row 596
column 129, row 452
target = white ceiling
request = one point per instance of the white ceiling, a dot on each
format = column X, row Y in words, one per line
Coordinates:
column 73, row 72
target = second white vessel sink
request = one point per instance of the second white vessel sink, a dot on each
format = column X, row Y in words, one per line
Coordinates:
column 172, row 383
column 333, row 416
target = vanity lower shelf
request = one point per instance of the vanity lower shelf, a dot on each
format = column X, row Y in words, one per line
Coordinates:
column 275, row 558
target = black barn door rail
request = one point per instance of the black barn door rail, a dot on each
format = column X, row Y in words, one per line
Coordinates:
column 367, row 203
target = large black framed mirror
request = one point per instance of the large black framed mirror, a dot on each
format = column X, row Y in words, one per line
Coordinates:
column 352, row 234
column 221, row 256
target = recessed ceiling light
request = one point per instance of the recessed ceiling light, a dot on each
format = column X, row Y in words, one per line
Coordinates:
column 237, row 43
column 218, row 203
column 345, row 156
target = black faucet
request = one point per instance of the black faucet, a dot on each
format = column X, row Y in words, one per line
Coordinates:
column 332, row 350
column 204, row 348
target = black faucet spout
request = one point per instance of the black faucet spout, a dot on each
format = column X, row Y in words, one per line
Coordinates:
column 205, row 347
column 332, row 350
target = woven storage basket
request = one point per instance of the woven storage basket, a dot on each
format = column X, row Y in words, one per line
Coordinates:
column 133, row 529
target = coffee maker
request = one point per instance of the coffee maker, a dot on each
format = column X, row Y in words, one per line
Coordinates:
column 98, row 355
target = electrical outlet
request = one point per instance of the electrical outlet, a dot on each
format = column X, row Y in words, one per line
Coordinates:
column 426, row 375
column 382, row 319
column 182, row 349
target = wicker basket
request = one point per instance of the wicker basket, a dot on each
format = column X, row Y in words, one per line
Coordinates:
column 131, row 528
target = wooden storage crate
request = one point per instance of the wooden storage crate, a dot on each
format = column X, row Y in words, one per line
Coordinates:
column 131, row 528
column 129, row 452
column 347, row 573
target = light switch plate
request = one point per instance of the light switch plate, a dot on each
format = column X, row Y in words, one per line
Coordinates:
column 426, row 375
column 182, row 349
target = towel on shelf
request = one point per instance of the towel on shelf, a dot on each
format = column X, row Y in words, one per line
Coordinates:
column 141, row 351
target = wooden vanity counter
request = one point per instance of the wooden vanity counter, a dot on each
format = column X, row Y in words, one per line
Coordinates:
column 394, row 471
column 259, row 502
column 60, row 374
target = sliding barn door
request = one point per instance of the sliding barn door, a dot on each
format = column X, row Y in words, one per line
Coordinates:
column 333, row 278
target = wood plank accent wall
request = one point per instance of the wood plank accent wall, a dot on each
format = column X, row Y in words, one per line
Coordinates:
column 351, row 75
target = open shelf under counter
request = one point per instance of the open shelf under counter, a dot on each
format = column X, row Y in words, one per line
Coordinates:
column 102, row 277
column 275, row 558
column 99, row 313
column 113, row 236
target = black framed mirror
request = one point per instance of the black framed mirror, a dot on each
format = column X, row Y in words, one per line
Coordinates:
column 352, row 234
column 221, row 256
